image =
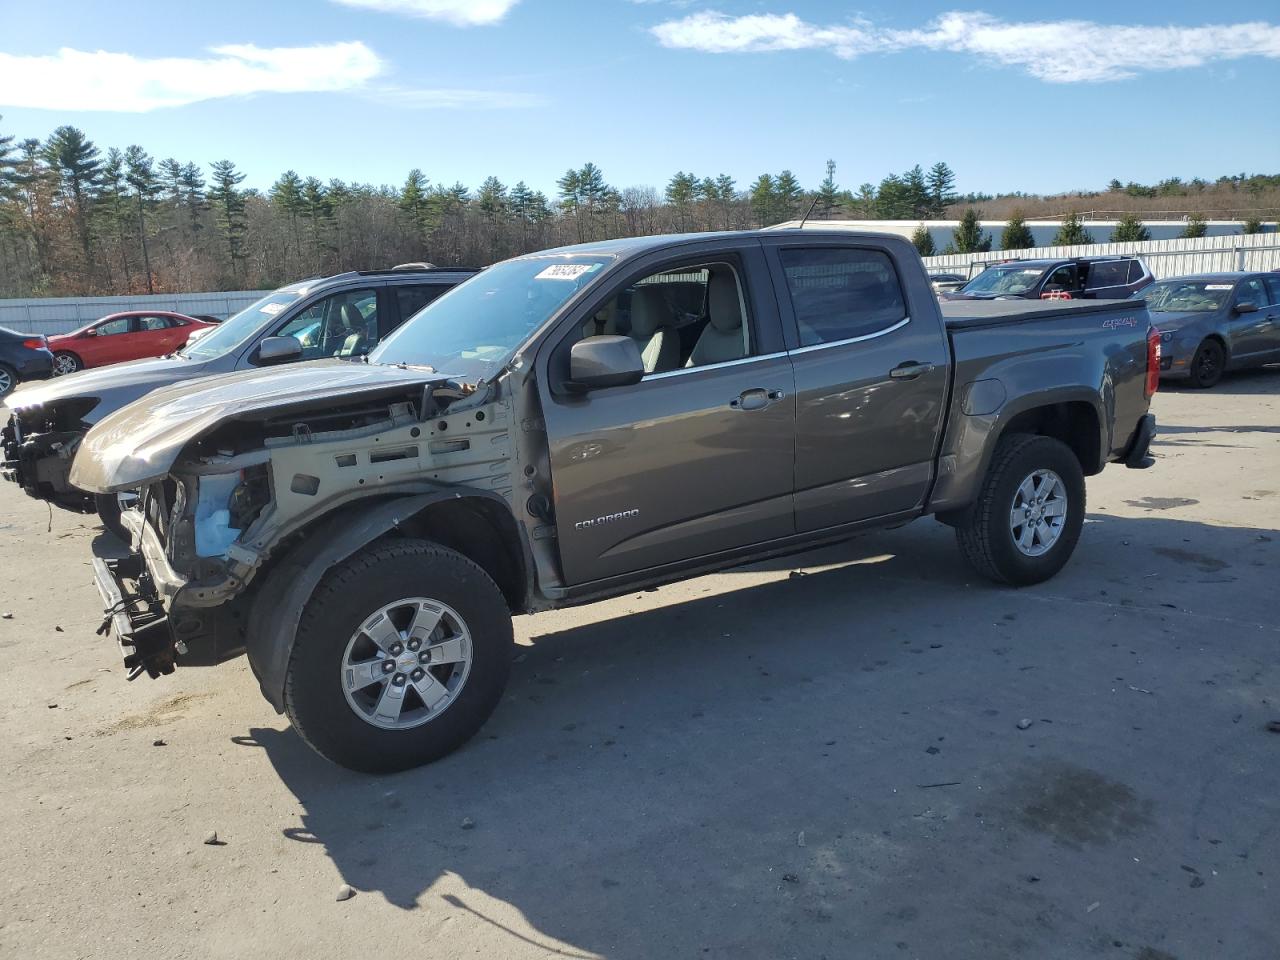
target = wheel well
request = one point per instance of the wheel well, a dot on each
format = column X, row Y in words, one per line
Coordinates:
column 1222, row 342
column 484, row 532
column 1074, row 423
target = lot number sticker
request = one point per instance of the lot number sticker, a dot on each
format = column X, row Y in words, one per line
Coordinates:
column 566, row 271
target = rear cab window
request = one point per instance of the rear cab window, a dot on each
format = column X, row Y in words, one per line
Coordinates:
column 842, row 293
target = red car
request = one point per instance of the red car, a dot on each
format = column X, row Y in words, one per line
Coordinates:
column 122, row 336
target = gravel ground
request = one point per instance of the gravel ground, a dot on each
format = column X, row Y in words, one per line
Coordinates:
column 752, row 764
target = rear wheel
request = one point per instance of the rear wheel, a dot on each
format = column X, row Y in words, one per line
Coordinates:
column 1029, row 514
column 401, row 655
column 8, row 380
column 1208, row 364
column 64, row 363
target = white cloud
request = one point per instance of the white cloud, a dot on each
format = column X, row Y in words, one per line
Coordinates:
column 1058, row 51
column 461, row 13
column 100, row 80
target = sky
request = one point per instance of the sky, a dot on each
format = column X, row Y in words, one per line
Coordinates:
column 1041, row 98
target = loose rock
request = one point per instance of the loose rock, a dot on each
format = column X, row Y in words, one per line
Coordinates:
column 6, row 615
column 468, row 823
column 1024, row 723
column 1197, row 882
column 212, row 840
column 58, row 629
column 790, row 878
column 345, row 893
column 1273, row 726
column 159, row 743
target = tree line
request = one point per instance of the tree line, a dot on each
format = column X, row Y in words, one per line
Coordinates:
column 76, row 219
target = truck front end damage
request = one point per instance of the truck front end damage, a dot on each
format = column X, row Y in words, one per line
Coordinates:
column 39, row 443
column 253, row 482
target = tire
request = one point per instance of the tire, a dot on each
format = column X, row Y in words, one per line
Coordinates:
column 109, row 510
column 1208, row 364
column 988, row 536
column 321, row 696
column 8, row 380
column 65, row 362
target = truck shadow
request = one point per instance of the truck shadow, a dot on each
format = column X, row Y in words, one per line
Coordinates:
column 767, row 770
column 1256, row 381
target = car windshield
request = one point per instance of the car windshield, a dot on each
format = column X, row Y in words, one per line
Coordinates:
column 1007, row 279
column 472, row 330
column 1185, row 296
column 231, row 333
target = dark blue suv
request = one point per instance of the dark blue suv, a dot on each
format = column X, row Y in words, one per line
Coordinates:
column 1069, row 278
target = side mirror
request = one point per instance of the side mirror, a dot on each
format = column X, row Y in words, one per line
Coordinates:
column 278, row 350
column 91, row 332
column 1246, row 307
column 604, row 361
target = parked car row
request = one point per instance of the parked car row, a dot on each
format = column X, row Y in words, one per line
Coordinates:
column 559, row 428
column 1210, row 323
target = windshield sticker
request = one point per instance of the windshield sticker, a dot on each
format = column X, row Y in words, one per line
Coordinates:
column 271, row 309
column 566, row 271
column 1217, row 286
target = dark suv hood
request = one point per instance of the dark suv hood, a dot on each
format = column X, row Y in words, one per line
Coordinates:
column 113, row 386
column 139, row 443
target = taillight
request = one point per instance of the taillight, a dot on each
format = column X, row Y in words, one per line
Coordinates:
column 1153, row 362
column 35, row 343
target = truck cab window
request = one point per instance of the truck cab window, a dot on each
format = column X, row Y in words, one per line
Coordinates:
column 685, row 317
column 343, row 325
column 842, row 293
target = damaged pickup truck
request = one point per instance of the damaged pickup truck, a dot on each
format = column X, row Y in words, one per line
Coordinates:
column 582, row 422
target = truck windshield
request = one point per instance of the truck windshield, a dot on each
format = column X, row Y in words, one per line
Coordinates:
column 472, row 330
column 1010, row 279
column 1185, row 296
column 231, row 333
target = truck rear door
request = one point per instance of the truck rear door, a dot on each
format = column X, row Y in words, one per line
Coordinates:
column 871, row 364
column 695, row 459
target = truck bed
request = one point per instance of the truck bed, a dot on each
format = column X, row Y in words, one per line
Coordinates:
column 966, row 314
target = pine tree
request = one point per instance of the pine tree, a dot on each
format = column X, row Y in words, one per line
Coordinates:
column 941, row 183
column 231, row 209
column 1072, row 232
column 140, row 174
column 1016, row 234
column 968, row 236
column 893, row 201
column 1195, row 228
column 922, row 240
column 76, row 165
column 1252, row 225
column 193, row 194
column 681, row 191
column 916, row 195
column 286, row 195
column 112, row 206
column 1129, row 228
column 789, row 194
column 764, row 200
column 828, row 194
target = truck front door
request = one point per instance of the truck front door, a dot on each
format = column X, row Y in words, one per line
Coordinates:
column 695, row 460
column 872, row 368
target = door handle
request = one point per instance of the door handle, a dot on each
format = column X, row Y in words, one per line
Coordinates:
column 757, row 398
column 910, row 370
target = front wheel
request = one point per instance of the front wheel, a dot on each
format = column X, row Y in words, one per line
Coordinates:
column 8, row 380
column 401, row 655
column 1208, row 364
column 1029, row 514
column 64, row 363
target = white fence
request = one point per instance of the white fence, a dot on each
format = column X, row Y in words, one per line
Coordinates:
column 1166, row 258
column 60, row 314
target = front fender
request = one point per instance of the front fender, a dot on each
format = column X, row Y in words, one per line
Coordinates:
column 277, row 607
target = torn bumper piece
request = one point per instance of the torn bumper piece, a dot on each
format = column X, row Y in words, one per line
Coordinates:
column 136, row 616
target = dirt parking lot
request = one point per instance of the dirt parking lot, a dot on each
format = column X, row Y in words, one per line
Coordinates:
column 753, row 764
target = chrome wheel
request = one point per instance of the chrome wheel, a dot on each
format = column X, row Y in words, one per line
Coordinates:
column 407, row 663
column 6, row 381
column 64, row 363
column 1039, row 513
